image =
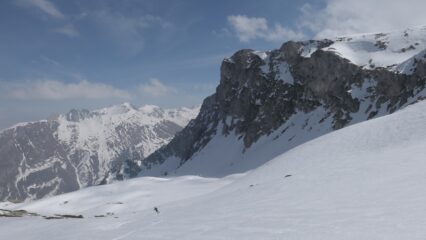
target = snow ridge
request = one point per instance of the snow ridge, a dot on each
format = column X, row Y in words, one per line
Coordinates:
column 394, row 51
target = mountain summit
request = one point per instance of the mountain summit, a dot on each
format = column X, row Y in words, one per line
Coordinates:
column 269, row 102
column 82, row 148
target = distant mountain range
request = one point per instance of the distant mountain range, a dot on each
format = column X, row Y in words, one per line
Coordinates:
column 82, row 148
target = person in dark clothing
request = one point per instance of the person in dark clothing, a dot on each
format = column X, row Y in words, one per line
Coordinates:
column 156, row 210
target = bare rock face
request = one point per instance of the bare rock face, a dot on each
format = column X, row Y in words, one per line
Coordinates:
column 82, row 148
column 261, row 92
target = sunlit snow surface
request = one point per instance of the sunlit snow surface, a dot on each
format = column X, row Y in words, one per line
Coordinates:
column 366, row 181
column 395, row 51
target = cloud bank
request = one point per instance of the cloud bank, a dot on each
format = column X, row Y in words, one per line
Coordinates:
column 334, row 18
column 345, row 17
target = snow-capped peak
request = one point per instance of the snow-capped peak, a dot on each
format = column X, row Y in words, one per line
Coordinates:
column 83, row 148
column 117, row 109
column 149, row 108
column 99, row 126
column 386, row 50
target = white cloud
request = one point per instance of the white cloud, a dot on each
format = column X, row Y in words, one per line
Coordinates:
column 336, row 18
column 251, row 28
column 45, row 6
column 68, row 30
column 51, row 10
column 345, row 17
column 57, row 90
column 155, row 88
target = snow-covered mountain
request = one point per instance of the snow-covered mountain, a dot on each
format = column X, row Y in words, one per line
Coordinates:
column 395, row 51
column 269, row 102
column 82, row 148
column 365, row 181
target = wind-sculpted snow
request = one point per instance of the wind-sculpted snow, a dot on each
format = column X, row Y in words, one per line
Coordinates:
column 365, row 181
column 82, row 148
column 279, row 99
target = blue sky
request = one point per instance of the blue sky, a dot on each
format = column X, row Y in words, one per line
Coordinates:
column 57, row 54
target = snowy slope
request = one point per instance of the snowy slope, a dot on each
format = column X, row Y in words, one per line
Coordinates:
column 226, row 154
column 124, row 197
column 365, row 181
column 82, row 148
column 394, row 51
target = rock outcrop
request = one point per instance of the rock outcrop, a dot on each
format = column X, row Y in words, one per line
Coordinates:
column 290, row 95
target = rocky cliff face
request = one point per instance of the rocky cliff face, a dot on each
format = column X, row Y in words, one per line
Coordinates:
column 82, row 148
column 269, row 102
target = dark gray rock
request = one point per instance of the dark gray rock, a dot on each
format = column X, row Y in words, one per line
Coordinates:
column 252, row 100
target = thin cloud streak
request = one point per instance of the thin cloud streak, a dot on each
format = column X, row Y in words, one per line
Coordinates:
column 46, row 7
column 68, row 30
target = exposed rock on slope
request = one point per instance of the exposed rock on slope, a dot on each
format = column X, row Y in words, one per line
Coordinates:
column 281, row 98
column 82, row 148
